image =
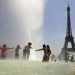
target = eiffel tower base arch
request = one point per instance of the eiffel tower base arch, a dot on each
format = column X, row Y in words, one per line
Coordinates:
column 68, row 50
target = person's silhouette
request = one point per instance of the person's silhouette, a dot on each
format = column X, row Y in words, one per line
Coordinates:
column 72, row 58
column 4, row 51
column 17, row 51
column 48, row 52
column 45, row 53
column 26, row 51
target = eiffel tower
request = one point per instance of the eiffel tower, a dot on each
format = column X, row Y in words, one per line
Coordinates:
column 69, row 37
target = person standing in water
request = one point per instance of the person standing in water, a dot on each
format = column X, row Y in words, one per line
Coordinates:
column 26, row 51
column 4, row 50
column 48, row 52
column 72, row 58
column 45, row 53
column 66, row 57
column 53, row 58
column 17, row 51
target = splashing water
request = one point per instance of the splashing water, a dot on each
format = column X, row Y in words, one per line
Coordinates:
column 32, row 55
column 26, row 18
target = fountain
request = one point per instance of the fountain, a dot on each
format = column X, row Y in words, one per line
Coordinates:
column 23, row 19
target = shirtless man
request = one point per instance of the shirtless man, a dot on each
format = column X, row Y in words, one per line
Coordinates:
column 45, row 53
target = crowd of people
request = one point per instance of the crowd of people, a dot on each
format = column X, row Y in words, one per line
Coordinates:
column 26, row 53
column 5, row 48
column 67, row 57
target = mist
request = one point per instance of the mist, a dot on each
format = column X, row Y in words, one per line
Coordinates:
column 21, row 21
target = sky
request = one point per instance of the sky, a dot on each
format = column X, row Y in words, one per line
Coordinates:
column 42, row 21
column 55, row 23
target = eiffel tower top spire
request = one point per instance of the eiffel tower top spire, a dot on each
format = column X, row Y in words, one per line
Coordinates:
column 68, row 2
column 69, row 30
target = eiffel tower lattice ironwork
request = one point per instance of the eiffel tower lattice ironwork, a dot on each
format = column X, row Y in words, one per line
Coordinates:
column 69, row 37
